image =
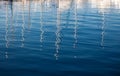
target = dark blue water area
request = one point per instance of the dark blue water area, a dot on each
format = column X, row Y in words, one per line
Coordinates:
column 23, row 62
column 59, row 38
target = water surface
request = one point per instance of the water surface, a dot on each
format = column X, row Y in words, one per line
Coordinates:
column 60, row 38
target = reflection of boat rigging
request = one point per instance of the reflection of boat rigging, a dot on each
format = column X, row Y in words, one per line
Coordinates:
column 9, row 37
column 6, row 29
column 23, row 28
column 69, row 12
column 103, row 30
column 29, row 16
column 12, row 22
column 75, row 28
column 57, row 34
column 11, row 7
column 41, row 25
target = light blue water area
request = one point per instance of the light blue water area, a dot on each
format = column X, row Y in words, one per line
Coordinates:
column 60, row 38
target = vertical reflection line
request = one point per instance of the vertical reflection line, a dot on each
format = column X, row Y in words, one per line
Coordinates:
column 6, row 29
column 23, row 19
column 75, row 28
column 41, row 25
column 12, row 20
column 16, row 14
column 12, row 15
column 57, row 33
column 6, row 35
column 29, row 18
column 69, row 12
column 103, row 30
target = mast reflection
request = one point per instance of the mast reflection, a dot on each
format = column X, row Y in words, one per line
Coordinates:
column 6, row 34
column 57, row 43
column 6, row 29
column 23, row 28
column 41, row 24
column 76, row 24
column 29, row 15
column 103, row 30
column 12, row 29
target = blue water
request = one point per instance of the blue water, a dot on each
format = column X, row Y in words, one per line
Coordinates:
column 60, row 38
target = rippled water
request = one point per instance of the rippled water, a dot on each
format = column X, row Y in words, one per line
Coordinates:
column 60, row 38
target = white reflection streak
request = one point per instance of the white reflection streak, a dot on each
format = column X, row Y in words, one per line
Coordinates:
column 103, row 30
column 6, row 34
column 12, row 22
column 29, row 18
column 41, row 25
column 23, row 28
column 16, row 14
column 12, row 13
column 75, row 28
column 57, row 34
